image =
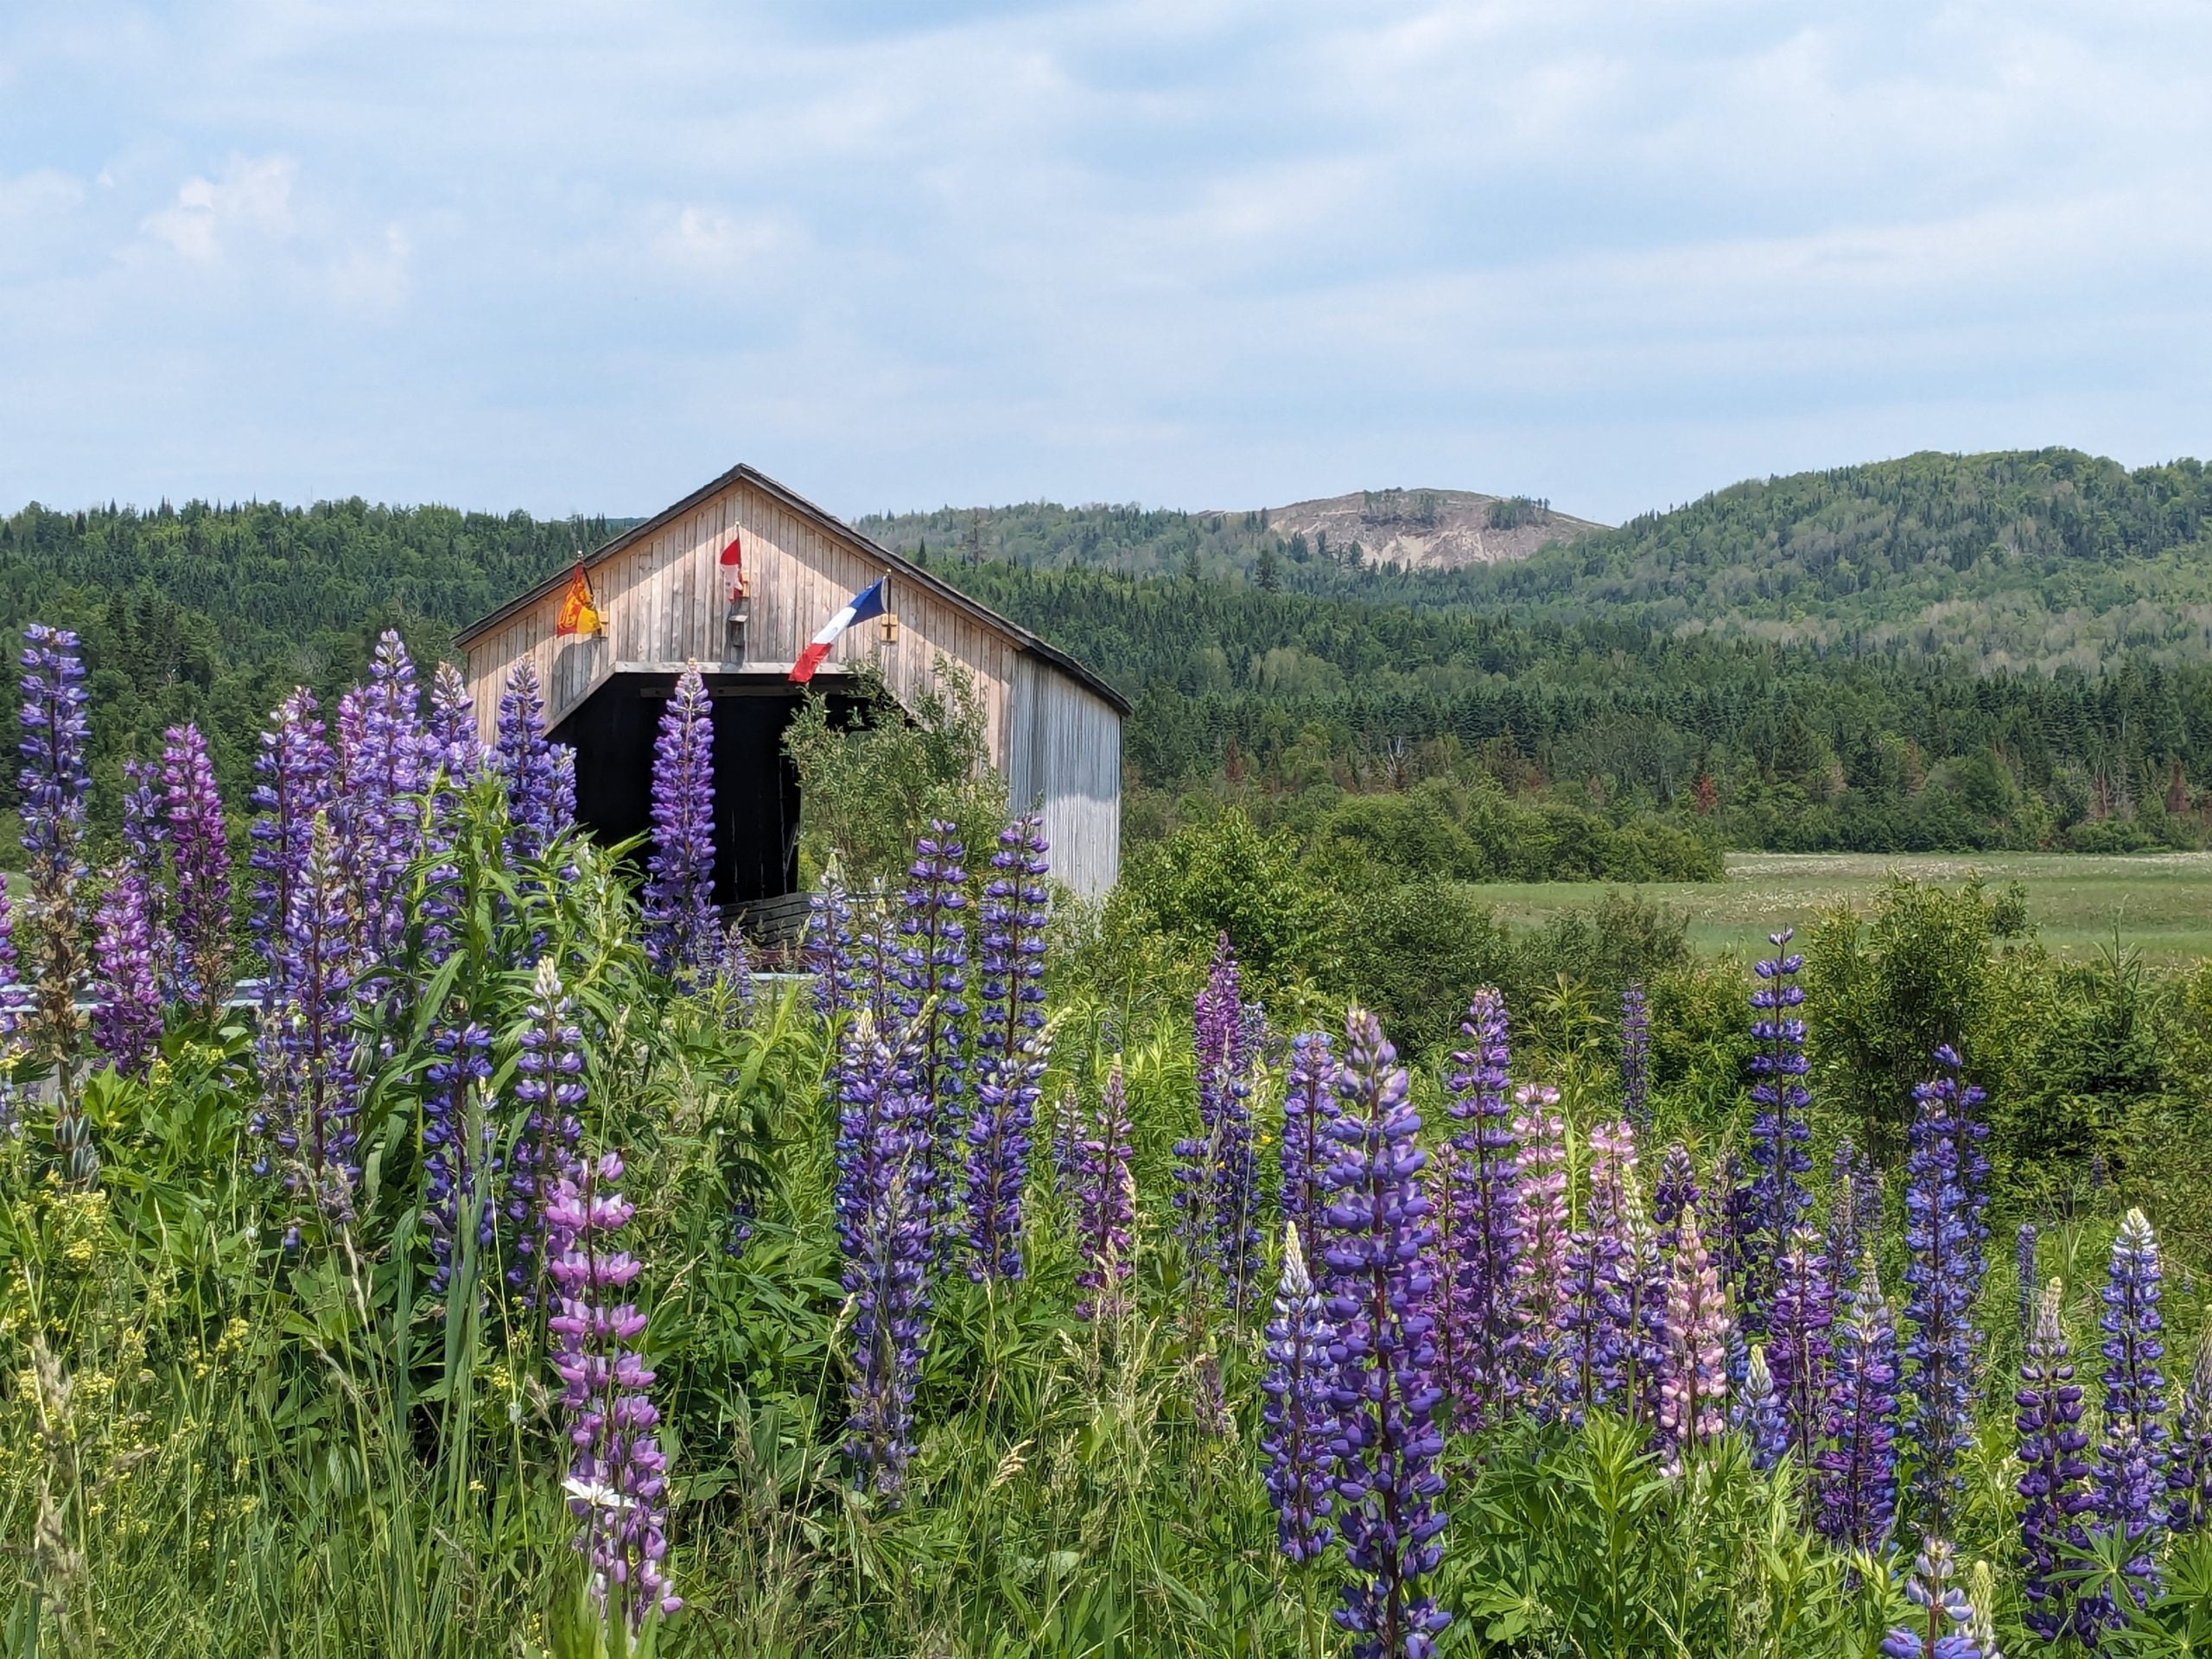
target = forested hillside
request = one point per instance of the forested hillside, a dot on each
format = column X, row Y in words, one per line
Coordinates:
column 2017, row 559
column 212, row 613
column 1285, row 697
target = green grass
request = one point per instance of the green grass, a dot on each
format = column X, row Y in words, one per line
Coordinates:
column 2159, row 902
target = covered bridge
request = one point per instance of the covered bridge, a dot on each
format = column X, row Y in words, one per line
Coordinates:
column 674, row 590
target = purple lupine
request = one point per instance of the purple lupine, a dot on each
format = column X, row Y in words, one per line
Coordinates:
column 1779, row 1131
column 1736, row 1240
column 1858, row 1466
column 549, row 1089
column 1675, row 1192
column 1757, row 1414
column 1298, row 1421
column 2054, row 1473
column 126, row 1002
column 681, row 928
column 310, row 1087
column 1635, row 1304
column 1380, row 1256
column 524, row 761
column 13, row 995
column 1308, row 1103
column 2135, row 1388
column 831, row 954
column 1798, row 1341
column 1942, row 1277
column 884, row 1226
column 1011, row 960
column 1105, row 1201
column 1636, row 1056
column 2188, row 1471
column 617, row 1477
column 374, row 811
column 2023, row 1275
column 931, row 978
column 1595, row 1319
column 1942, row 1634
column 199, row 847
column 1540, row 1272
column 560, row 800
column 145, row 849
column 1480, row 1351
column 1693, row 1383
column 1216, row 1172
column 52, row 783
column 459, row 1138
column 450, row 744
column 294, row 766
column 2129, row 1503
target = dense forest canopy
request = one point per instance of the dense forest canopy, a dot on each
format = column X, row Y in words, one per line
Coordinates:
column 1935, row 652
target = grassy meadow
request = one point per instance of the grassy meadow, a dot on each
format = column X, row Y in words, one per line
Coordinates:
column 2158, row 904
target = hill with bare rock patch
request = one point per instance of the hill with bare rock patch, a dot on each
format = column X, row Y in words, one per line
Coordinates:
column 1425, row 529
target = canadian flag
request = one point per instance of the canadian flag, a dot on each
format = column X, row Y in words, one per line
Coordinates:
column 866, row 603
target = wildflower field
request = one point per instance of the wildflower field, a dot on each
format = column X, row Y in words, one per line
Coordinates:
column 425, row 1233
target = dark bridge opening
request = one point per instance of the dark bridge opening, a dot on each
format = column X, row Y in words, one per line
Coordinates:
column 756, row 786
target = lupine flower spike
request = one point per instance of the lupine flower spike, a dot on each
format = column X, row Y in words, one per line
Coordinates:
column 294, row 770
column 458, row 1139
column 1757, row 1414
column 1105, row 1197
column 1798, row 1347
column 2131, row 1496
column 1380, row 1257
column 2053, row 1472
column 549, row 1088
column 1481, row 1355
column 53, row 784
column 884, row 1226
column 193, row 812
column 681, row 927
column 1941, row 1276
column 1694, row 1384
column 126, row 1002
column 1216, row 1172
column 617, row 1476
column 525, row 762
column 1012, row 966
column 1779, row 1132
column 1858, row 1462
column 1540, row 1287
column 1594, row 1319
column 1298, row 1419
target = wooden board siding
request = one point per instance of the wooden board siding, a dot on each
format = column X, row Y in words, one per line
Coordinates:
column 660, row 595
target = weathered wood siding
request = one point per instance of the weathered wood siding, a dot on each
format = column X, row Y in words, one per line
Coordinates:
column 1065, row 757
column 661, row 601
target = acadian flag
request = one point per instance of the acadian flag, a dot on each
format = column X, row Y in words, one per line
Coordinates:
column 866, row 603
column 578, row 613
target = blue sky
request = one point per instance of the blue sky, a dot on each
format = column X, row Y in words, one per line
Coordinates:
column 581, row 255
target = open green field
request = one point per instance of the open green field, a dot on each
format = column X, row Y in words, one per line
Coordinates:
column 2159, row 902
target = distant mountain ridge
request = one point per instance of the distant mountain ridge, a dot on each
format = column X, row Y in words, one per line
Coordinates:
column 1331, row 543
column 1426, row 528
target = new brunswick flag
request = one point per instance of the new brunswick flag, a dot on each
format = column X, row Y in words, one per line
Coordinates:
column 578, row 613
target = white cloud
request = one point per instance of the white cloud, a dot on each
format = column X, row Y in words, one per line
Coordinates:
column 252, row 199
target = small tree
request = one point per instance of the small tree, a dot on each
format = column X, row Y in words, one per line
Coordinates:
column 874, row 771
